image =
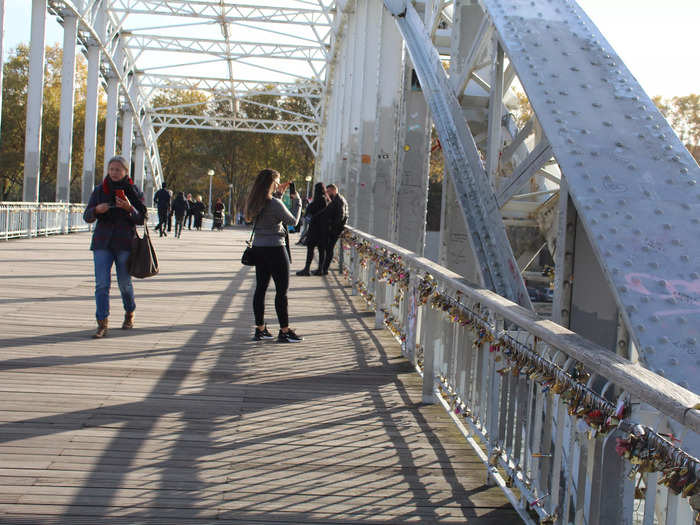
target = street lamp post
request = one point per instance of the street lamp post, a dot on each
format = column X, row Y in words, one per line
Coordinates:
column 230, row 209
column 211, row 176
column 307, row 179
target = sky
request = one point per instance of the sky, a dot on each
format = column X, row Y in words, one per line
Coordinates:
column 659, row 41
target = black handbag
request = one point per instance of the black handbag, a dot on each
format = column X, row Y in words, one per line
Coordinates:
column 248, row 257
column 142, row 261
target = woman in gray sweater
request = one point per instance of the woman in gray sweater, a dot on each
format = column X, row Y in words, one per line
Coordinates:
column 271, row 219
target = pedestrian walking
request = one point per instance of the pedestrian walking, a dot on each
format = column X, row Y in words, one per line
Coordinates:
column 170, row 214
column 162, row 201
column 180, row 209
column 198, row 211
column 271, row 251
column 117, row 206
column 190, row 211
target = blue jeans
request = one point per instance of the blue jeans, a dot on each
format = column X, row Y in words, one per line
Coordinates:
column 103, row 273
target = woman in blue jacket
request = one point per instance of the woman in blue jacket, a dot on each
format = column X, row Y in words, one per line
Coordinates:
column 117, row 206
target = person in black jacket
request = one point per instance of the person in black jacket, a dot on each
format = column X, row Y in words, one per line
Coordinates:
column 198, row 212
column 180, row 209
column 316, row 234
column 190, row 211
column 337, row 216
column 162, row 200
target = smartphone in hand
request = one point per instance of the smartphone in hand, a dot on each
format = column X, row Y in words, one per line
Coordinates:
column 120, row 194
column 292, row 188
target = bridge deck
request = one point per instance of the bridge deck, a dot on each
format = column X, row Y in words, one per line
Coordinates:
column 186, row 420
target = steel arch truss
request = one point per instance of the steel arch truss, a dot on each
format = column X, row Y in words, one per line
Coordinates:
column 217, row 47
column 97, row 28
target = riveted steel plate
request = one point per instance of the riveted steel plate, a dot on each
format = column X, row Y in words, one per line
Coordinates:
column 633, row 183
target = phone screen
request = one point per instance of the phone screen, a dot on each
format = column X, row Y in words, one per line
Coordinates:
column 292, row 188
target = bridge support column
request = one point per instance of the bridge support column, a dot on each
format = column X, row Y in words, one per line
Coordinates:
column 2, row 38
column 35, row 98
column 111, row 120
column 386, row 149
column 585, row 305
column 65, row 133
column 148, row 189
column 91, row 98
column 113, row 104
column 337, row 153
column 413, row 165
column 356, row 42
column 456, row 252
column 139, row 164
column 127, row 133
column 366, row 162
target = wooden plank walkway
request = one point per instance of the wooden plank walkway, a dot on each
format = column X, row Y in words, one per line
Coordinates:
column 186, row 420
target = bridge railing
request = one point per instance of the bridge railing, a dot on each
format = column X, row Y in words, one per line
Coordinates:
column 562, row 425
column 32, row 219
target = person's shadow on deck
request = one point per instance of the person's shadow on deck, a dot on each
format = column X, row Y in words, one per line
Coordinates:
column 205, row 476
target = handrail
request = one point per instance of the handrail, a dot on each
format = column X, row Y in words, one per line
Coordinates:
column 508, row 379
column 666, row 396
column 34, row 219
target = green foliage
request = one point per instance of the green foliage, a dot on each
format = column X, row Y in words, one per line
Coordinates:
column 186, row 154
column 14, row 109
column 683, row 114
column 235, row 156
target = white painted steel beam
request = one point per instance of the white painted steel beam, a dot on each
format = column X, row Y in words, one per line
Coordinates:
column 65, row 132
column 219, row 48
column 2, row 57
column 35, row 97
column 90, row 135
column 412, row 165
column 172, row 120
column 366, row 162
column 214, row 85
column 139, row 165
column 456, row 251
column 494, row 144
column 473, row 190
column 226, row 12
column 537, row 158
column 113, row 82
column 390, row 73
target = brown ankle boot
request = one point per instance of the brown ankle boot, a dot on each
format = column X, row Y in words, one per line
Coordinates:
column 128, row 321
column 102, row 327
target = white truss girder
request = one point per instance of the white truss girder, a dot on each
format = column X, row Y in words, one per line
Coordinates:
column 267, row 42
column 217, row 86
column 225, row 11
column 232, row 51
column 88, row 35
column 222, row 123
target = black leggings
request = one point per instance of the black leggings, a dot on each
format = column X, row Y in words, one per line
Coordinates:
column 310, row 255
column 272, row 261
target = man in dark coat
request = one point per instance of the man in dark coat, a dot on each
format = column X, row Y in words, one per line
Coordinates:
column 162, row 200
column 337, row 212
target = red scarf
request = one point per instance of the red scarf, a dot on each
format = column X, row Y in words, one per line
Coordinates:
column 107, row 187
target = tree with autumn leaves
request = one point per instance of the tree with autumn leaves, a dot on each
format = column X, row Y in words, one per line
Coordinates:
column 12, row 135
column 186, row 154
